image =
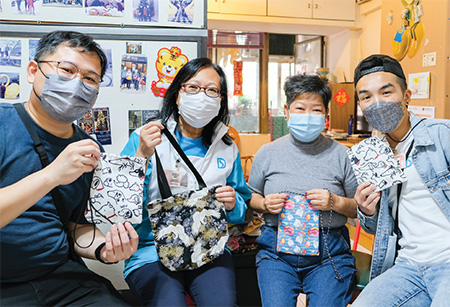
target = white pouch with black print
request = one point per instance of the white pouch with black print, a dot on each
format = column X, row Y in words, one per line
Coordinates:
column 116, row 191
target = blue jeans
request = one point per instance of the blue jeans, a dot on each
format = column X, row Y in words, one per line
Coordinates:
column 213, row 284
column 408, row 285
column 282, row 276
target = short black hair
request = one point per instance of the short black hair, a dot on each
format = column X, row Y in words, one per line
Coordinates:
column 380, row 62
column 169, row 106
column 307, row 84
column 49, row 42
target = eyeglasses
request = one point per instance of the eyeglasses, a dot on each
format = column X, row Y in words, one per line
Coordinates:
column 212, row 92
column 67, row 71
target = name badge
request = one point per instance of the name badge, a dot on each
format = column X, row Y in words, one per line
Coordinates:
column 176, row 178
column 401, row 160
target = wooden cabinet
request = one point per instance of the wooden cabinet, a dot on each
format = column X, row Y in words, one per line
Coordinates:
column 238, row 7
column 214, row 6
column 318, row 9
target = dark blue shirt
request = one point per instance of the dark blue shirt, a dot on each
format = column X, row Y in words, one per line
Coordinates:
column 35, row 243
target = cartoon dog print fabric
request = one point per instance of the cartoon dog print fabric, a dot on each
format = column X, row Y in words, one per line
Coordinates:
column 117, row 190
column 373, row 161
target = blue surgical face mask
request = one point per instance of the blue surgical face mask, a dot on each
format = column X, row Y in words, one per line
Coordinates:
column 306, row 127
column 384, row 115
column 66, row 100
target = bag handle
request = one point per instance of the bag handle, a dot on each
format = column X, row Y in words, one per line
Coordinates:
column 163, row 184
column 39, row 147
column 201, row 182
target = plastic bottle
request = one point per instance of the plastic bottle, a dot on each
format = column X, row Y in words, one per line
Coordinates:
column 350, row 125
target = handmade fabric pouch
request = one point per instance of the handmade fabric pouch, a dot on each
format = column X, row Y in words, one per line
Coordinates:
column 373, row 160
column 298, row 227
column 189, row 228
column 117, row 189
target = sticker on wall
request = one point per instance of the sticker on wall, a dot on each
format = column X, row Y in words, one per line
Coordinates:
column 408, row 39
column 168, row 64
column 65, row 3
column 10, row 52
column 145, row 10
column 112, row 8
column 9, row 85
column 133, row 74
column 181, row 11
column 108, row 77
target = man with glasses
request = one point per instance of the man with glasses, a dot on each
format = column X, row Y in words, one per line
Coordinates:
column 35, row 252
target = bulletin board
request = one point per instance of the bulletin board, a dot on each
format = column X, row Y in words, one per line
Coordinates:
column 124, row 108
column 148, row 13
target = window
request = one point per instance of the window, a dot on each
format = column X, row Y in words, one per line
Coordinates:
column 230, row 50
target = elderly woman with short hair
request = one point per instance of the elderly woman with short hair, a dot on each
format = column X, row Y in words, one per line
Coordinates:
column 308, row 163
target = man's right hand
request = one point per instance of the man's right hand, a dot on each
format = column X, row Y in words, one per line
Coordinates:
column 367, row 198
column 77, row 158
column 150, row 136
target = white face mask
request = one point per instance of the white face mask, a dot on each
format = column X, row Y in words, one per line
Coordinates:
column 198, row 109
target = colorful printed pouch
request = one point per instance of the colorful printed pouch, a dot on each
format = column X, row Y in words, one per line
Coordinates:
column 116, row 191
column 298, row 227
column 373, row 160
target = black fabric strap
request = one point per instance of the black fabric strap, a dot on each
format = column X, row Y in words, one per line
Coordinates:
column 163, row 184
column 399, row 191
column 164, row 188
column 201, row 182
column 39, row 147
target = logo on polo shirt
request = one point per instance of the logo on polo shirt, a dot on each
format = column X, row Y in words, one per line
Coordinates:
column 221, row 163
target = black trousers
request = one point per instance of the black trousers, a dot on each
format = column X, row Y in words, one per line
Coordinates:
column 70, row 284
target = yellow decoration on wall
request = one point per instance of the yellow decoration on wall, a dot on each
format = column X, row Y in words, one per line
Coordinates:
column 408, row 39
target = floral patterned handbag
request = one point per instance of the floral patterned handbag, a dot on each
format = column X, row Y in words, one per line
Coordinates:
column 189, row 228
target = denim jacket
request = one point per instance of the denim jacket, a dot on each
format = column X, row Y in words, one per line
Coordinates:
column 431, row 157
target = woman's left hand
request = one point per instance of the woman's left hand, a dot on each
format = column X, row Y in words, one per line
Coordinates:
column 320, row 199
column 227, row 195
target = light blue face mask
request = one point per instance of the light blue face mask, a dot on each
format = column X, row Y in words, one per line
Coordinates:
column 306, row 127
column 384, row 115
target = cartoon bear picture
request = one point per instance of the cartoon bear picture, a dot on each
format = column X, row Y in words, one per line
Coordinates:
column 168, row 64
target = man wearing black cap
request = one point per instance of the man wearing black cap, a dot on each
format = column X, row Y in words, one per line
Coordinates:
column 411, row 221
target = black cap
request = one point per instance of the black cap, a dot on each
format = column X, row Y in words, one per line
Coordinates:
column 378, row 62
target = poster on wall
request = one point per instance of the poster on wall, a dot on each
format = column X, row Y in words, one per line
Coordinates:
column 26, row 7
column 32, row 46
column 108, row 77
column 10, row 52
column 138, row 118
column 181, row 11
column 9, row 85
column 96, row 122
column 112, row 8
column 419, row 84
column 133, row 74
column 64, row 3
column 145, row 10
column 168, row 63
